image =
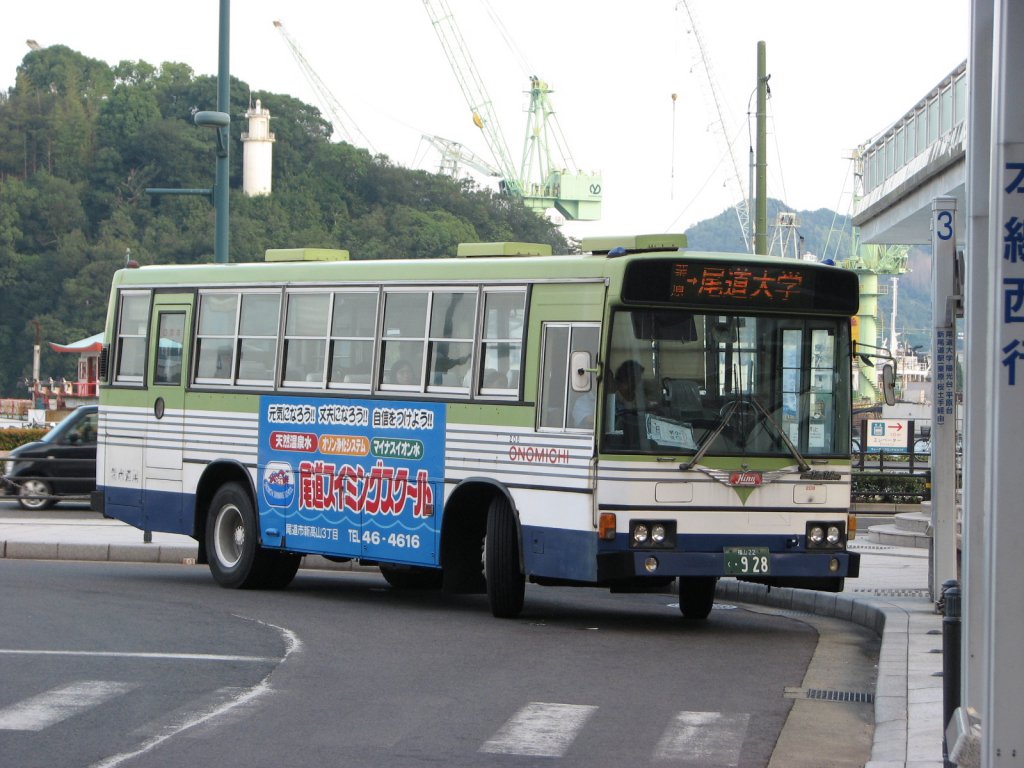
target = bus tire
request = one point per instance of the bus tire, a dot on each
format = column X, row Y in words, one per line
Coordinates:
column 411, row 576
column 232, row 541
column 696, row 596
column 506, row 584
column 281, row 570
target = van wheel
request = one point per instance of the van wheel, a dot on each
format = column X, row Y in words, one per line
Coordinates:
column 696, row 596
column 506, row 584
column 232, row 542
column 35, row 495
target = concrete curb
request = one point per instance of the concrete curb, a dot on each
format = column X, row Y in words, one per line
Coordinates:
column 181, row 554
column 891, row 622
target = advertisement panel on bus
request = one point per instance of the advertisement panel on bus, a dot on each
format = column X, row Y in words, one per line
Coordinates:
column 362, row 478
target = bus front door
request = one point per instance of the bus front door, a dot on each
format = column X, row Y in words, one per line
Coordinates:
column 165, row 426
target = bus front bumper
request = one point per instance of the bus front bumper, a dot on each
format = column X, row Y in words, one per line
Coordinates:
column 783, row 567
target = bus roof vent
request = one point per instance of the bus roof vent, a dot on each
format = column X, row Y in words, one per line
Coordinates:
column 633, row 244
column 476, row 250
column 306, row 254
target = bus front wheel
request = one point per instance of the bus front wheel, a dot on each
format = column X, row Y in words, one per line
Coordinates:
column 696, row 596
column 506, row 584
column 236, row 559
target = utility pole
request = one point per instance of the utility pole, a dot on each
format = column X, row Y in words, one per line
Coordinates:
column 761, row 214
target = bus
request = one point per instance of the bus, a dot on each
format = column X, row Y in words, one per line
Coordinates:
column 627, row 417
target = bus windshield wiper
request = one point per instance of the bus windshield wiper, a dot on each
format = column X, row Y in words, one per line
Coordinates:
column 710, row 437
column 730, row 411
column 794, row 451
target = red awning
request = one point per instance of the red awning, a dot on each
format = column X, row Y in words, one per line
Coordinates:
column 91, row 344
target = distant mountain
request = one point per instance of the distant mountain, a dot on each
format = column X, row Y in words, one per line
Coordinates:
column 826, row 234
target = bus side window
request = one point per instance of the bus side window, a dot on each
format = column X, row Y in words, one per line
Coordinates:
column 554, row 376
column 561, row 406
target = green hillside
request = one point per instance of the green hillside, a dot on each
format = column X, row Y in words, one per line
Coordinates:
column 81, row 140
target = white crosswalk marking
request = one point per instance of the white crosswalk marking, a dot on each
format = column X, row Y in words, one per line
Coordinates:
column 42, row 711
column 540, row 730
column 703, row 738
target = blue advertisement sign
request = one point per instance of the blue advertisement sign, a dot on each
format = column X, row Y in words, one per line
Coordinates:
column 353, row 478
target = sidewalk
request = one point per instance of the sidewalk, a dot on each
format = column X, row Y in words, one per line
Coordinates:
column 890, row 597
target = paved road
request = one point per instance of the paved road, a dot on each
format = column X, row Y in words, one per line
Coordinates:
column 109, row 664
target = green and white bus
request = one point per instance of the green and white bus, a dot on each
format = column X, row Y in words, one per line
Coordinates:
column 622, row 418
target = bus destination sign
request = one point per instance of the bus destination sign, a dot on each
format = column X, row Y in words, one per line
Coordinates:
column 740, row 284
column 706, row 283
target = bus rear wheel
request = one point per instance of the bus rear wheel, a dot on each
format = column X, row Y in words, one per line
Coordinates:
column 696, row 596
column 236, row 559
column 506, row 584
column 411, row 576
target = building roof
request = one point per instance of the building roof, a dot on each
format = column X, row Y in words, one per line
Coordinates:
column 91, row 344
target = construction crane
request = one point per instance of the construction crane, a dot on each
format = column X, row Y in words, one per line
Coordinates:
column 340, row 119
column 742, row 205
column 540, row 181
column 453, row 155
column 870, row 261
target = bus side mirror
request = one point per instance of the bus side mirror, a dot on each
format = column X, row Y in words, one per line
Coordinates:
column 889, row 384
column 581, row 372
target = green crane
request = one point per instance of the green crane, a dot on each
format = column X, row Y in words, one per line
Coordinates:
column 870, row 261
column 547, row 176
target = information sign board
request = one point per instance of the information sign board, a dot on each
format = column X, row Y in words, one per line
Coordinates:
column 888, row 435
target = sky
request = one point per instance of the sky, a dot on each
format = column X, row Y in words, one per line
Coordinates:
column 840, row 73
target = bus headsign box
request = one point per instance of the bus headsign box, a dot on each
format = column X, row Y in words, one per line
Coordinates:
column 754, row 285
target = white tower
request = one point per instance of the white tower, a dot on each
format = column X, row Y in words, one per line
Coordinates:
column 257, row 152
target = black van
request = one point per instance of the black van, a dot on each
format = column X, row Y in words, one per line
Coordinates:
column 62, row 464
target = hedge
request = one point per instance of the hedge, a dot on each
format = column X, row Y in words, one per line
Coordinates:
column 12, row 438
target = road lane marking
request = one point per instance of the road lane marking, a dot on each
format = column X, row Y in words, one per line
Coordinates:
column 141, row 655
column 41, row 711
column 221, row 706
column 704, row 738
column 540, row 730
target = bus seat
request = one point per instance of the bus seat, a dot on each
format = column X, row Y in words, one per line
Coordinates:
column 683, row 395
column 254, row 370
column 494, row 379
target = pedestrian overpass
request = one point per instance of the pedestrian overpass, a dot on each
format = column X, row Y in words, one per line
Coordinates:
column 920, row 157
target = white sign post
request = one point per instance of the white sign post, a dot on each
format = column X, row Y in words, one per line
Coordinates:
column 943, row 436
column 1003, row 737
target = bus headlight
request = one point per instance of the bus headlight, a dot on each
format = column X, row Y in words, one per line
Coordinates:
column 652, row 534
column 640, row 533
column 826, row 535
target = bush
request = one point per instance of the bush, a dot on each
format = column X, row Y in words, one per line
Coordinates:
column 890, row 488
column 12, row 438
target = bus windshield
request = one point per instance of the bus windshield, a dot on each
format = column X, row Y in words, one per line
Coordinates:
column 707, row 384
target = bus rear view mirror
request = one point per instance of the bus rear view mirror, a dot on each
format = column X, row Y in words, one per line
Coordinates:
column 669, row 325
column 889, row 384
column 582, row 369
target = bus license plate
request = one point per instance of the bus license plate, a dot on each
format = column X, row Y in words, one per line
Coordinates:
column 747, row 561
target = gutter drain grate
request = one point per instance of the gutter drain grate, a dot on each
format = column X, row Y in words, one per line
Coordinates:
column 857, row 697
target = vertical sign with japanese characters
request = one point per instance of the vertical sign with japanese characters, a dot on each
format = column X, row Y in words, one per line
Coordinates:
column 353, row 478
column 944, row 311
column 943, row 315
column 1011, row 332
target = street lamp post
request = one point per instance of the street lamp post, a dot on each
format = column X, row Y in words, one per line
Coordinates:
column 220, row 121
